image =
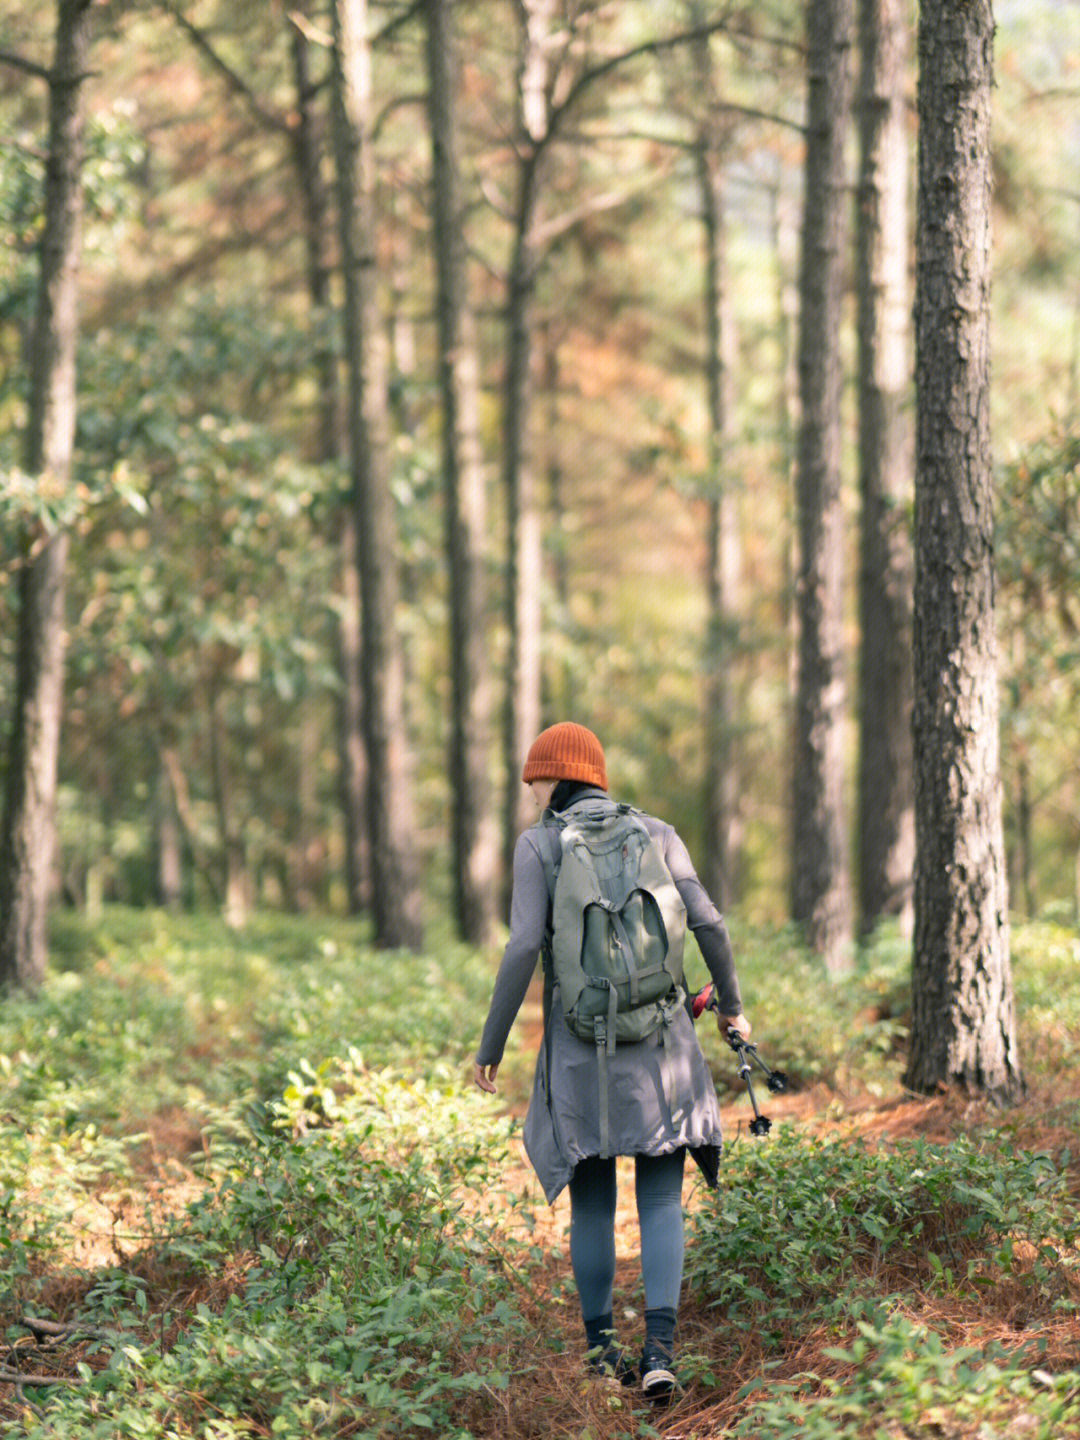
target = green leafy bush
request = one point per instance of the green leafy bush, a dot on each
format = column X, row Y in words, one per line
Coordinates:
column 802, row 1227
column 897, row 1373
column 342, row 1224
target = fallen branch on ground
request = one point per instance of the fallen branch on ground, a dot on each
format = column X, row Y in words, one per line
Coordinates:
column 16, row 1377
column 66, row 1330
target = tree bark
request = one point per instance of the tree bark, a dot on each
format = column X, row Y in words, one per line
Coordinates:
column 524, row 535
column 236, row 884
column 396, row 909
column 27, row 836
column 963, row 1028
column 821, row 887
column 886, row 806
column 352, row 767
column 723, row 564
column 475, row 839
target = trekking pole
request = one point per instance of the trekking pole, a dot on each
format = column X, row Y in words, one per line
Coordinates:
column 776, row 1081
column 748, row 1056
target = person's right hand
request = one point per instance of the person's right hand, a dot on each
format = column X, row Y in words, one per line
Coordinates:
column 484, row 1075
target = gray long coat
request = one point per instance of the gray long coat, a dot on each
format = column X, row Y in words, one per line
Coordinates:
column 662, row 1094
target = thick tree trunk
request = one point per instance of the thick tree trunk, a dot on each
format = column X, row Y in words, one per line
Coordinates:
column 27, row 836
column 475, row 837
column 821, row 887
column 886, row 784
column 963, row 1028
column 391, row 828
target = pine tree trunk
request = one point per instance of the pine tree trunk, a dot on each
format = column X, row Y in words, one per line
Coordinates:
column 821, row 887
column 391, row 828
column 886, row 783
column 524, row 537
column 475, row 840
column 27, row 836
column 236, row 886
column 352, row 768
column 722, row 788
column 963, row 1028
column 169, row 845
column 352, row 765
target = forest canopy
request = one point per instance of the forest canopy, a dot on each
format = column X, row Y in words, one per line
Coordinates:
column 206, row 584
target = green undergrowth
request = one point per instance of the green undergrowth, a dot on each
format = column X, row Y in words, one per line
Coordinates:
column 338, row 1269
column 803, row 1226
column 336, row 1279
column 842, row 1238
column 899, row 1378
column 252, row 1165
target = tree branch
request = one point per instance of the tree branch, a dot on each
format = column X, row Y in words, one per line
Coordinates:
column 20, row 62
column 647, row 47
column 16, row 1377
column 228, row 74
column 66, row 1329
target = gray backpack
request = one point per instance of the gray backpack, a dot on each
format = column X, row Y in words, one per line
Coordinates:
column 618, row 925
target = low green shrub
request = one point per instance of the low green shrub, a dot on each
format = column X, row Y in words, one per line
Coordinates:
column 898, row 1374
column 343, row 1283
column 848, row 1034
column 801, row 1227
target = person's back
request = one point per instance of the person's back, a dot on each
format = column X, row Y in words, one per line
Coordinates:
column 647, row 1094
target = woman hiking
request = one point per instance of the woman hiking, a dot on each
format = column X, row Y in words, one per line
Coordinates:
column 655, row 1099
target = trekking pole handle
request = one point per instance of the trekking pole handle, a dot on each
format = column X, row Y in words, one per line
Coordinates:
column 705, row 999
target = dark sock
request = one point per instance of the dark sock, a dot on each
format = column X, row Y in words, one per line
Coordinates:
column 660, row 1332
column 598, row 1331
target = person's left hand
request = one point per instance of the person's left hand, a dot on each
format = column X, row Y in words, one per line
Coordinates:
column 484, row 1075
column 735, row 1022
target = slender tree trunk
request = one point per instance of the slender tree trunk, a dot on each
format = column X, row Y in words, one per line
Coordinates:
column 886, row 784
column 28, row 832
column 821, row 890
column 524, row 539
column 169, row 848
column 391, row 827
column 558, row 696
column 236, row 877
column 785, row 244
column 722, row 788
column 352, row 767
column 474, row 832
column 963, row 1027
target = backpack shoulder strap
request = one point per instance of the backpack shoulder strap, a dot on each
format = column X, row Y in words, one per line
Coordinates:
column 549, row 842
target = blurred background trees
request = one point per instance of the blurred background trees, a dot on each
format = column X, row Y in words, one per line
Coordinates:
column 612, row 233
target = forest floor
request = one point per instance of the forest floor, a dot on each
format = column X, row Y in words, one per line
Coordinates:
column 139, row 1198
column 557, row 1399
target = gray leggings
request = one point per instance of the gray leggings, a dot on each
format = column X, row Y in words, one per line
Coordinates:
column 658, row 1190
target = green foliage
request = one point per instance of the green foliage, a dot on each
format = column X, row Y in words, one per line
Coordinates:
column 341, row 1220
column 899, row 1373
column 801, row 1228
column 849, row 1034
column 349, row 1254
column 345, row 1263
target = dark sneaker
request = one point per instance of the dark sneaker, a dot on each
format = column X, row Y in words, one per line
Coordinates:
column 657, row 1378
column 609, row 1362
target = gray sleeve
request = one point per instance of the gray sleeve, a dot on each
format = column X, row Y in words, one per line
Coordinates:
column 704, row 920
column 528, row 923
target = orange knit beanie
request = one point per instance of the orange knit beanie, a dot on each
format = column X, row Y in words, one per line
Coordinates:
column 566, row 752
